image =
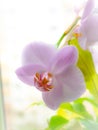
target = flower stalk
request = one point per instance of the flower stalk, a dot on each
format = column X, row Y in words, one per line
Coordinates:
column 67, row 31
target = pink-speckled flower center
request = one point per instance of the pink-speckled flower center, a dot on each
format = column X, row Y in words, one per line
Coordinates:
column 43, row 81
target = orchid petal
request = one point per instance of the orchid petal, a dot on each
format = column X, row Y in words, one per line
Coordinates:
column 26, row 73
column 38, row 53
column 53, row 98
column 88, row 8
column 82, row 42
column 65, row 57
column 91, row 28
column 73, row 83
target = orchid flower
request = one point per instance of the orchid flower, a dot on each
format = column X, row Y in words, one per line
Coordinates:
column 87, row 31
column 52, row 71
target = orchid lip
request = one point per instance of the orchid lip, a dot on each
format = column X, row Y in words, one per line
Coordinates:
column 43, row 81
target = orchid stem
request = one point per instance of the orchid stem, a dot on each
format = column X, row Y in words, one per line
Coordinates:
column 67, row 31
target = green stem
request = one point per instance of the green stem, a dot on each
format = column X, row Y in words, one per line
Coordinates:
column 67, row 31
column 60, row 40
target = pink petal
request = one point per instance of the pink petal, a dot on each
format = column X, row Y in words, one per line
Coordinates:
column 91, row 28
column 83, row 42
column 26, row 73
column 73, row 83
column 38, row 53
column 65, row 57
column 53, row 98
column 88, row 8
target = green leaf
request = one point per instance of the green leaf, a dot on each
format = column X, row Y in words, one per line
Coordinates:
column 67, row 106
column 77, row 109
column 56, row 122
column 86, row 65
column 87, row 99
column 80, row 109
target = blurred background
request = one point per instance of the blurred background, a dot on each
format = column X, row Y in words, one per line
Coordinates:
column 22, row 22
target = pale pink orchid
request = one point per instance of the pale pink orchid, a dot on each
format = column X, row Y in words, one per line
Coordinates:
column 87, row 31
column 52, row 71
